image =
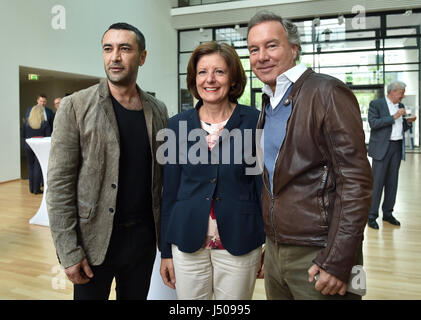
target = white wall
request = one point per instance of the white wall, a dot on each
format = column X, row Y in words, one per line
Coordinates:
column 28, row 39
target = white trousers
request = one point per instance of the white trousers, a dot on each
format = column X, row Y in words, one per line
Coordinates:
column 206, row 273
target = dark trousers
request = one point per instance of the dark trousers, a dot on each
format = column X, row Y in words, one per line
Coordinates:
column 130, row 259
column 34, row 171
column 386, row 175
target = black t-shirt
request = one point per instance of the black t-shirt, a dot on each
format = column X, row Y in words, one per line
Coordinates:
column 134, row 197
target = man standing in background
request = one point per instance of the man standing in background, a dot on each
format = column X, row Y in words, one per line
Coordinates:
column 386, row 117
column 57, row 103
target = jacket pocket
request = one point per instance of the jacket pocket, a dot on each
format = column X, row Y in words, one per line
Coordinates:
column 323, row 196
column 88, row 191
column 84, row 210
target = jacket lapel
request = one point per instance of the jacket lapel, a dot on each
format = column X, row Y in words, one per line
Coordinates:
column 404, row 128
column 299, row 83
column 385, row 106
column 193, row 122
column 387, row 111
column 107, row 105
column 147, row 111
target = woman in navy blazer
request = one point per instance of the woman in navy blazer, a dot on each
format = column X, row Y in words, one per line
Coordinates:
column 211, row 228
column 35, row 125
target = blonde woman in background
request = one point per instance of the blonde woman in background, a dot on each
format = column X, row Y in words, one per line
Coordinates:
column 35, row 126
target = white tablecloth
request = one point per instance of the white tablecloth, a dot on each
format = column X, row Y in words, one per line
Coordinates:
column 158, row 290
column 41, row 148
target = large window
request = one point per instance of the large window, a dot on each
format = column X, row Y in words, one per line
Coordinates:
column 366, row 55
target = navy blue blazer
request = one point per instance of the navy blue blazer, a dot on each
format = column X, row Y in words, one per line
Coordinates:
column 50, row 115
column 188, row 189
column 28, row 132
column 381, row 122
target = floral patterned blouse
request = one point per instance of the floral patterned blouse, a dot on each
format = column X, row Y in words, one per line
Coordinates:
column 214, row 132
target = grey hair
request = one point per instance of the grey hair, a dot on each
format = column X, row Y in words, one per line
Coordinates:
column 396, row 85
column 291, row 29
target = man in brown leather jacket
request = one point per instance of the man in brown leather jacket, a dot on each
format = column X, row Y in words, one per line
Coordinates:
column 317, row 179
column 104, row 183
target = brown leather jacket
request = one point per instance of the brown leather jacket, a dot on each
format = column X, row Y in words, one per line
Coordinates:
column 322, row 179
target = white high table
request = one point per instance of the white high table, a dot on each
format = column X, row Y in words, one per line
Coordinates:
column 41, row 148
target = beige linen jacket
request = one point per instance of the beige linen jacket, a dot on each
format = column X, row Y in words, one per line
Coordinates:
column 83, row 172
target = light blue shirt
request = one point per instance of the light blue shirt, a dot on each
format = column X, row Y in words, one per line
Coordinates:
column 274, row 132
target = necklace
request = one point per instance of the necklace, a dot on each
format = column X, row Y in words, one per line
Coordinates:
column 217, row 115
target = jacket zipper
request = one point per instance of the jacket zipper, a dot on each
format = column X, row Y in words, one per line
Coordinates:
column 272, row 205
column 322, row 196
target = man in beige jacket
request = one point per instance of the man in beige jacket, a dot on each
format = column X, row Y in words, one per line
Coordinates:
column 104, row 183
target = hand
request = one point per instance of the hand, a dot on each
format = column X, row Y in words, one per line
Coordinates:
column 411, row 119
column 80, row 273
column 326, row 284
column 167, row 272
column 399, row 113
column 261, row 271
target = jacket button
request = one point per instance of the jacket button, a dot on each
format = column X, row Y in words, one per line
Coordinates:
column 113, row 186
column 213, row 180
column 217, row 199
column 111, row 210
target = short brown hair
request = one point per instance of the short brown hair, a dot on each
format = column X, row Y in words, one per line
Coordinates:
column 236, row 71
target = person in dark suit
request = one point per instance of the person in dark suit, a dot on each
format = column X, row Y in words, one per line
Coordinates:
column 212, row 228
column 57, row 102
column 35, row 126
column 388, row 123
column 48, row 113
